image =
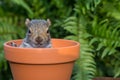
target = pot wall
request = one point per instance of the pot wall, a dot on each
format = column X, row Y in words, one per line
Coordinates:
column 61, row 71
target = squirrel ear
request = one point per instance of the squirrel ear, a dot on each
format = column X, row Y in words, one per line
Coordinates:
column 27, row 21
column 49, row 22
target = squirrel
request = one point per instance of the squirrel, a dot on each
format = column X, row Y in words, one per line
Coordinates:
column 37, row 35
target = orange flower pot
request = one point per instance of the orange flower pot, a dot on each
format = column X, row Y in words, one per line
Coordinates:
column 54, row 63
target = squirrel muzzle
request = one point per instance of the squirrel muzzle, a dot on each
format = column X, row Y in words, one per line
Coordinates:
column 38, row 40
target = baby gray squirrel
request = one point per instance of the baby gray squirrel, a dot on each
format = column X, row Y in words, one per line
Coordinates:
column 37, row 36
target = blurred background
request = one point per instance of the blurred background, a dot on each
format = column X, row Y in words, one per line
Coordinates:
column 93, row 23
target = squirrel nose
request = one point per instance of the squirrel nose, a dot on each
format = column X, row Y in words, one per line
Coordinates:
column 38, row 39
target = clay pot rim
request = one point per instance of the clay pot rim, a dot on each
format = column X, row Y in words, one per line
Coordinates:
column 76, row 44
column 60, row 54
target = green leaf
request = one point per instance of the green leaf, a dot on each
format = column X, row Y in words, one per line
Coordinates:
column 71, row 29
column 93, row 41
column 71, row 37
column 24, row 5
column 105, row 52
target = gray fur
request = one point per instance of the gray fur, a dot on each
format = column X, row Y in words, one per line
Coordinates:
column 39, row 38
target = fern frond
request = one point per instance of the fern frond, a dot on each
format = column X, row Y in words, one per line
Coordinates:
column 86, row 68
column 6, row 31
column 3, row 63
column 86, row 63
column 70, row 25
column 24, row 5
column 12, row 26
column 105, row 36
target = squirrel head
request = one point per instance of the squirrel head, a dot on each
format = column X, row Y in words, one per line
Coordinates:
column 38, row 34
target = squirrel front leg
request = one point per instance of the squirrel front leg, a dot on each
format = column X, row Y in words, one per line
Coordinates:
column 22, row 45
column 13, row 44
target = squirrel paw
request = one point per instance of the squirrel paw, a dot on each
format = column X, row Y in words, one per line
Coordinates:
column 13, row 44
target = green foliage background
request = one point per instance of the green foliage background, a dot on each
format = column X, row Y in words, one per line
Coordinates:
column 93, row 23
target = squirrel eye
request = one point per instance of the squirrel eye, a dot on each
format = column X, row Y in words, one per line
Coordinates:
column 29, row 31
column 47, row 31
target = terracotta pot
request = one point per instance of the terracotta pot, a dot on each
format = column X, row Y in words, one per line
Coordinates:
column 43, row 63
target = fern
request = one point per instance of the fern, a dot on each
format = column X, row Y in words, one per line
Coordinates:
column 99, row 34
column 78, row 25
column 86, row 68
column 105, row 39
column 9, row 25
column 24, row 5
column 7, row 32
column 105, row 36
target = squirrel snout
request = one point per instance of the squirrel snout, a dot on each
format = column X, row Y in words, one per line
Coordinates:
column 38, row 39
